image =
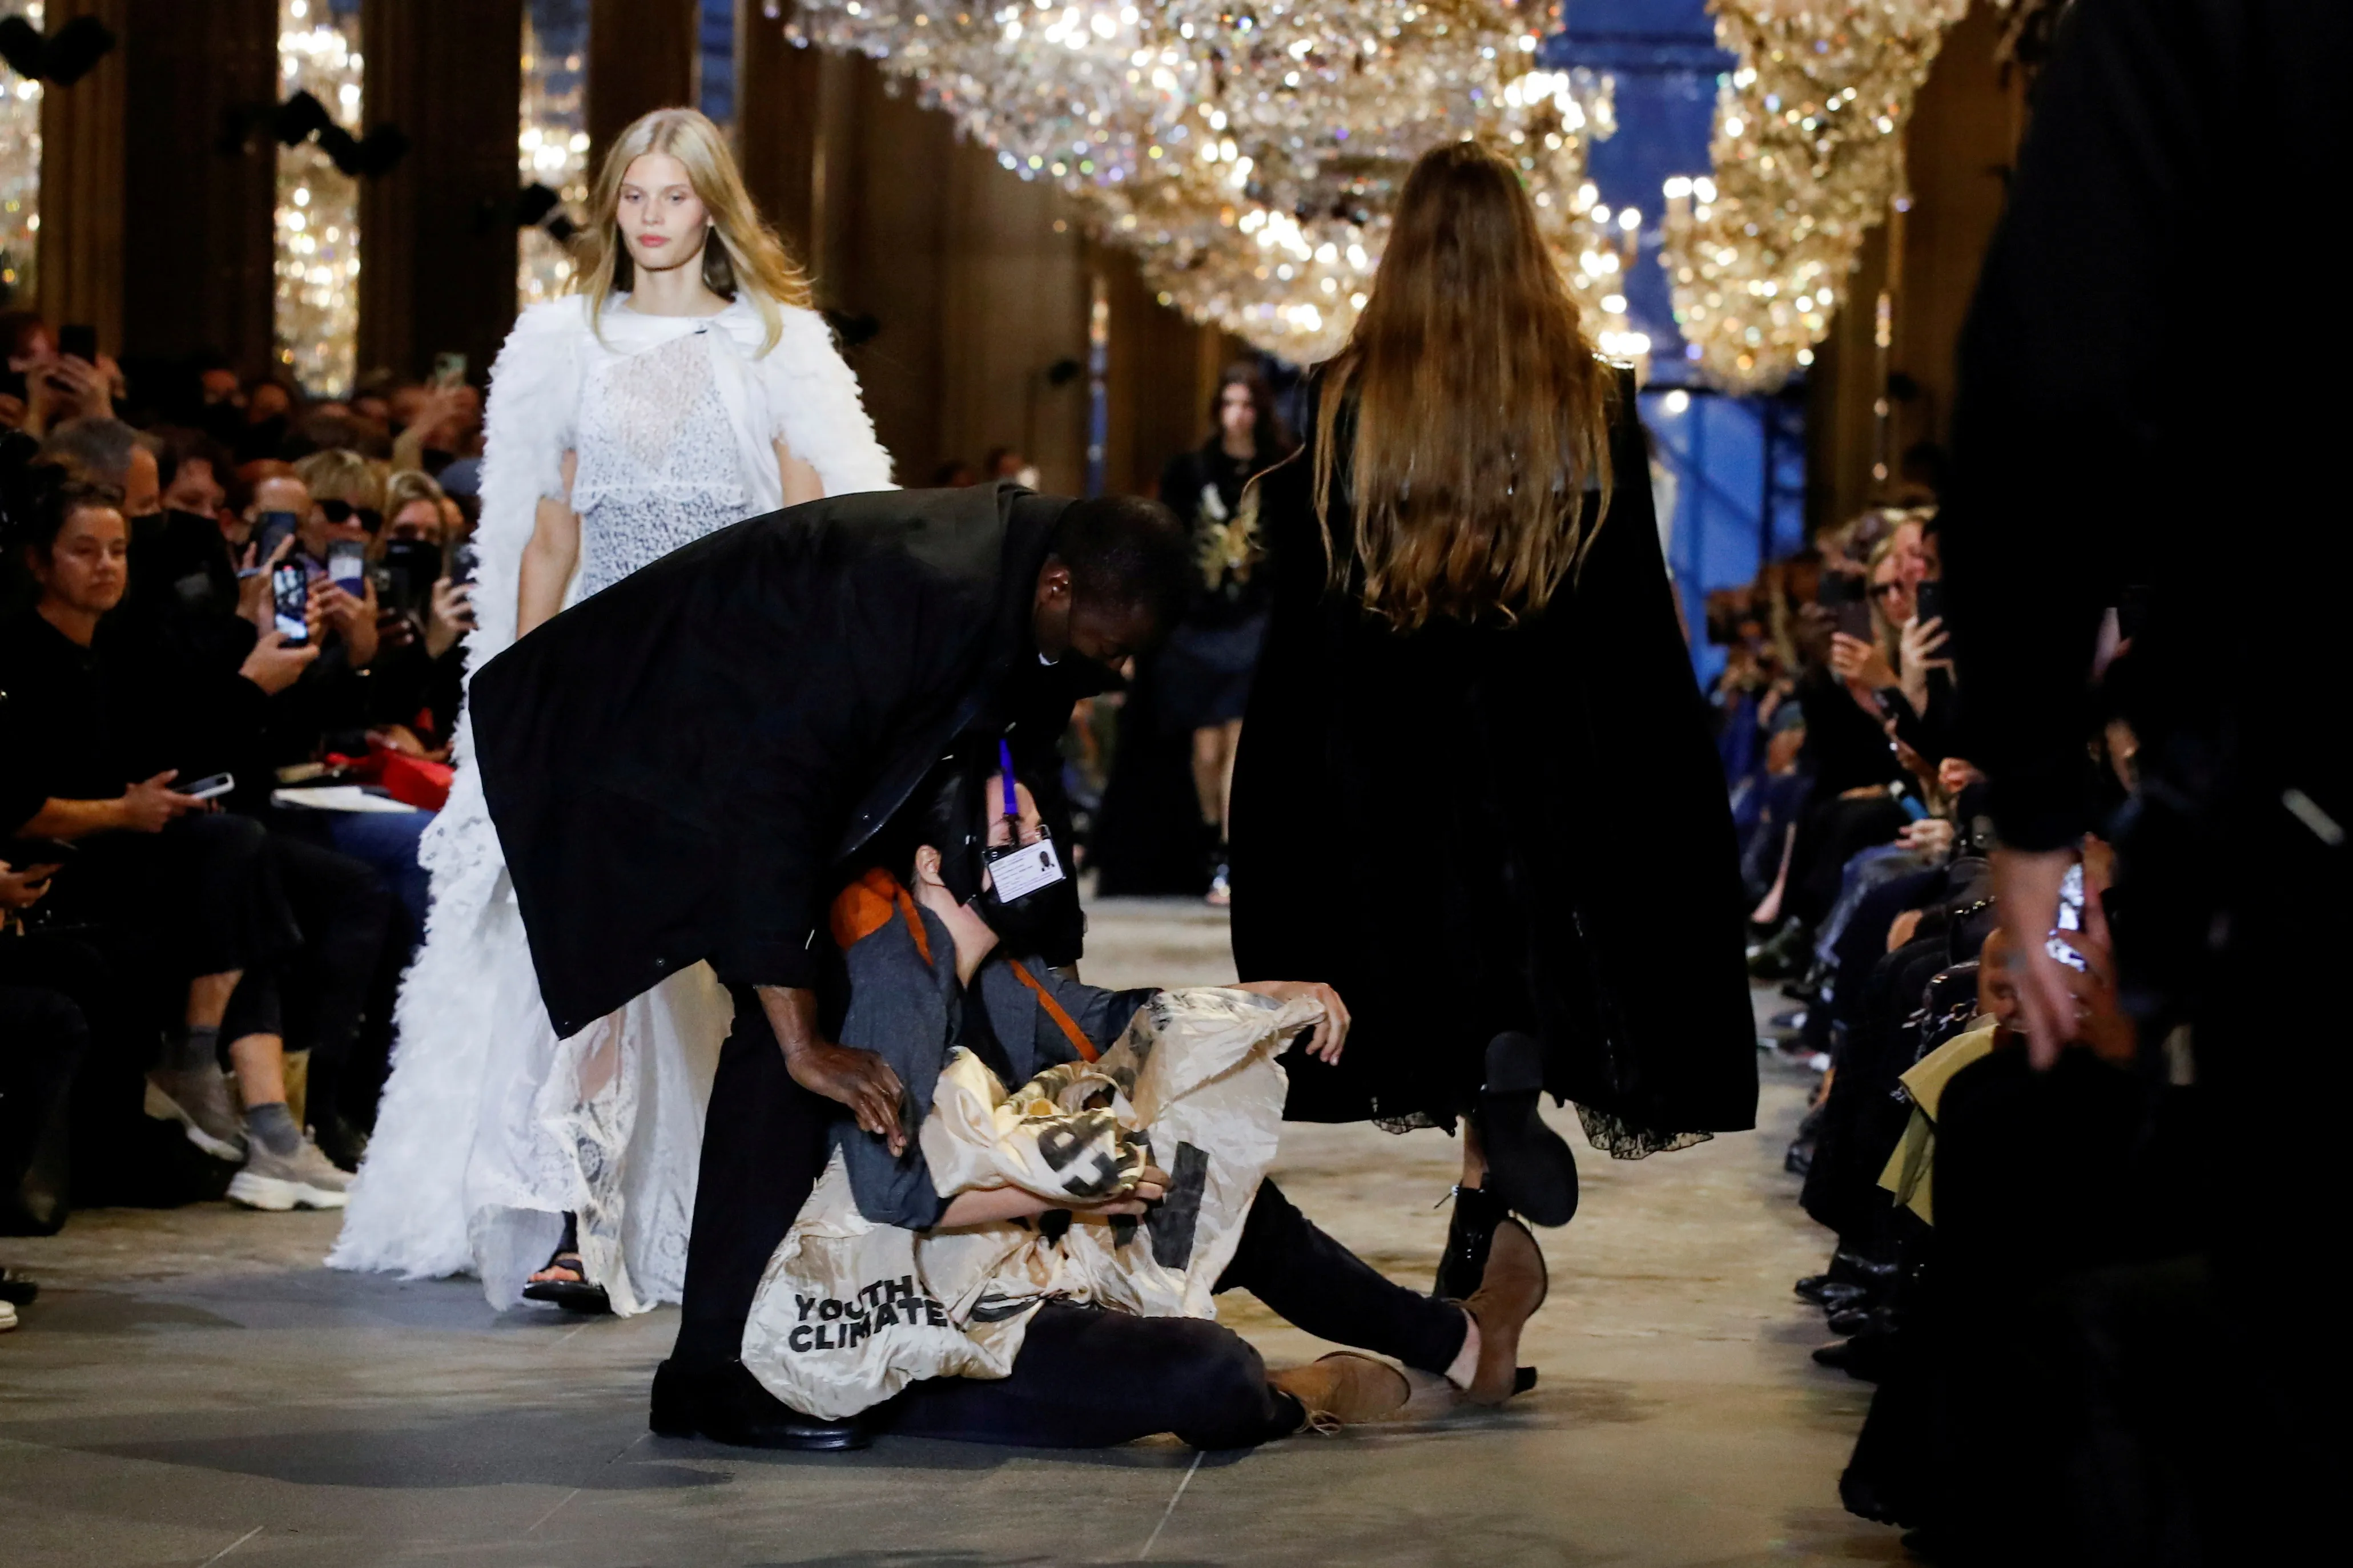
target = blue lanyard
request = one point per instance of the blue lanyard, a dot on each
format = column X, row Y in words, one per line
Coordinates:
column 1005, row 764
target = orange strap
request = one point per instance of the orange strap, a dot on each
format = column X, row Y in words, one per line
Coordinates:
column 1069, row 1026
column 864, row 908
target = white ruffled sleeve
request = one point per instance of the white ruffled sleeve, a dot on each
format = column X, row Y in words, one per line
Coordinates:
column 815, row 410
column 527, row 427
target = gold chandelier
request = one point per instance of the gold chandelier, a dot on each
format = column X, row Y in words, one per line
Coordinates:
column 1252, row 159
column 1808, row 155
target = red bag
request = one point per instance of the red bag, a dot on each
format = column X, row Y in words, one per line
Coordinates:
column 415, row 782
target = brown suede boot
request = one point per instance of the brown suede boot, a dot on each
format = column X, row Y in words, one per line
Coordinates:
column 1509, row 1293
column 1344, row 1389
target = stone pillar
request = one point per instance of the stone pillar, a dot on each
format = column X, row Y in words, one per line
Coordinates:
column 79, row 256
column 200, row 180
column 437, row 233
column 641, row 56
column 777, row 97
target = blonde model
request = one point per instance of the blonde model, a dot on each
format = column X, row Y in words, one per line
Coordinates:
column 686, row 385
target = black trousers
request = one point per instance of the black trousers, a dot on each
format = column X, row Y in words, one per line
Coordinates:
column 316, row 996
column 1085, row 1377
column 762, row 1150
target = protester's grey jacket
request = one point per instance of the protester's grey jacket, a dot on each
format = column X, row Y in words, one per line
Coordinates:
column 907, row 1006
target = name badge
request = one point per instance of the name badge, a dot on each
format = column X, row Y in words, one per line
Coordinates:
column 1023, row 871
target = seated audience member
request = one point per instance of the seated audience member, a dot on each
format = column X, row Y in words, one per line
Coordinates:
column 207, row 899
column 929, row 970
column 419, row 679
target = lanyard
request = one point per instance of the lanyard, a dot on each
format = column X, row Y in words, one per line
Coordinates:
column 1005, row 765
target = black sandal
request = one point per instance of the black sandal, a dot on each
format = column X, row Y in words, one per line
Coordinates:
column 575, row 1295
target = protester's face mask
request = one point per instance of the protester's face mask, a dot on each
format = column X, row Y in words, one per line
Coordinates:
column 1031, row 895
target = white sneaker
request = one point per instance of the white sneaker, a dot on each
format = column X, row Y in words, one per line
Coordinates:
column 8, row 1317
column 304, row 1179
column 199, row 1101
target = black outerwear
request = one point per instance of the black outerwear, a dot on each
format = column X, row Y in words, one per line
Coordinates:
column 676, row 765
column 1473, row 828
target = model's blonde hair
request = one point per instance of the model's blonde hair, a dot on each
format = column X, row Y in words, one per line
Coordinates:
column 743, row 253
column 1481, row 414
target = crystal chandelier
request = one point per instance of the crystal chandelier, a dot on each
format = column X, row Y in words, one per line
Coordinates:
column 1250, row 158
column 552, row 148
column 20, row 172
column 1808, row 155
column 317, row 314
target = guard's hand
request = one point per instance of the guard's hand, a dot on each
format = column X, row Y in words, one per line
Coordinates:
column 858, row 1079
column 1331, row 1035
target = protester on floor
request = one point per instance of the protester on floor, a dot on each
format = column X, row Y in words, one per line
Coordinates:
column 1439, row 729
column 926, row 938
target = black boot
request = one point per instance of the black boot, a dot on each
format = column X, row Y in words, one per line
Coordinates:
column 727, row 1404
column 1477, row 1212
column 1529, row 1166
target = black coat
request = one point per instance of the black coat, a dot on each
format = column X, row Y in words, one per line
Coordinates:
column 678, row 765
column 1468, row 829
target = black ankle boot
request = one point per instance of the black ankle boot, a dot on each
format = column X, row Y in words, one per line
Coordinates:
column 1477, row 1212
column 1529, row 1166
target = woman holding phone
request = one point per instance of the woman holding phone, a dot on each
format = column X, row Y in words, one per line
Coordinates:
column 686, row 385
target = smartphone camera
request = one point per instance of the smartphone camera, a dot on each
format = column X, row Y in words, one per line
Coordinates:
column 289, row 593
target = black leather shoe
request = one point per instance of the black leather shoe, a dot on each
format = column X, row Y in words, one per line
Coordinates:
column 1529, row 1166
column 1854, row 1320
column 1472, row 1231
column 1867, row 1356
column 727, row 1404
column 1836, row 1298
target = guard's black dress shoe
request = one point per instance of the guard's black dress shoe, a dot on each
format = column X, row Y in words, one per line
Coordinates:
column 727, row 1404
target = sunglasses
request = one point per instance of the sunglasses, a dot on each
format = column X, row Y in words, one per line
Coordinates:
column 367, row 516
column 1881, row 589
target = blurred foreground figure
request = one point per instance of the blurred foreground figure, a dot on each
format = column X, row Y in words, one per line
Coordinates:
column 2105, row 464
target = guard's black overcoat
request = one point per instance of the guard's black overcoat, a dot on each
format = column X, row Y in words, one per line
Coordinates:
column 677, row 764
column 1472, row 828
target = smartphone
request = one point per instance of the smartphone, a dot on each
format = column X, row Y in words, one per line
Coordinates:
column 347, row 565
column 289, row 593
column 2070, row 918
column 23, row 852
column 212, row 788
column 80, row 340
column 270, row 529
column 1930, row 600
column 1847, row 598
column 465, row 562
column 448, row 369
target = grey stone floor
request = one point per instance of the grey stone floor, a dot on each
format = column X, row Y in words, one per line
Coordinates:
column 192, row 1388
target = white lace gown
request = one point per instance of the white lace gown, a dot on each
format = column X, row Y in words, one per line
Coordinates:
column 491, row 1128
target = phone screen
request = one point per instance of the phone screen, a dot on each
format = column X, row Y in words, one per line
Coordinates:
column 465, row 561
column 289, row 591
column 347, row 564
column 80, row 340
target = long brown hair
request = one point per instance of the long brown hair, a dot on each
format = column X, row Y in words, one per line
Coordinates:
column 743, row 251
column 1481, row 413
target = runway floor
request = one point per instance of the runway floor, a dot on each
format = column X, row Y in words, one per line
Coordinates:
column 192, row 1388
